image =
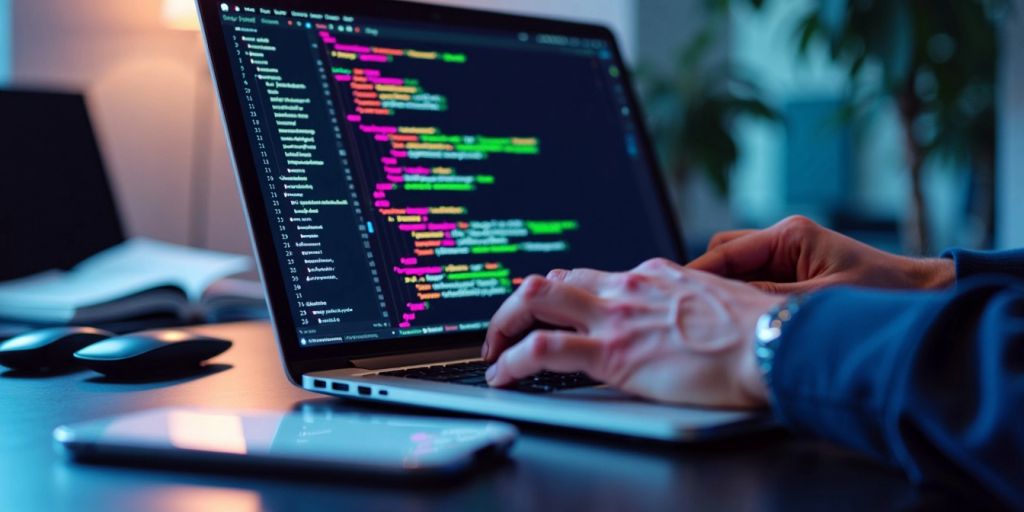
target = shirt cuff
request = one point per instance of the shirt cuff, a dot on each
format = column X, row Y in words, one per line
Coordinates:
column 973, row 263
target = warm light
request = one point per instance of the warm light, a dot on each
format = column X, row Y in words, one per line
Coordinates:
column 180, row 15
column 206, row 432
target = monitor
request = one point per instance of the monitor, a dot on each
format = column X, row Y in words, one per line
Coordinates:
column 56, row 204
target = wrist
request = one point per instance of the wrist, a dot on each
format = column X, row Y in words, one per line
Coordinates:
column 931, row 273
column 752, row 382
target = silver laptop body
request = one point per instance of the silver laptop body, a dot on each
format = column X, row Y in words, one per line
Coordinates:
column 598, row 409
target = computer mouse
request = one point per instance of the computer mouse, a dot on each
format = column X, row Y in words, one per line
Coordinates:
column 152, row 353
column 48, row 349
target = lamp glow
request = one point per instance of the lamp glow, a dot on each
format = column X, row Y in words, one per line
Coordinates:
column 180, row 15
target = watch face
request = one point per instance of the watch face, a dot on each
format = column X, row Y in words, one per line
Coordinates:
column 769, row 326
column 769, row 330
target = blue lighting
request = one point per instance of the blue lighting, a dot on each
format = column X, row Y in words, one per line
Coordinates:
column 5, row 41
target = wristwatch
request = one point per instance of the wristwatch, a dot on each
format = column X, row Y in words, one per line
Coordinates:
column 769, row 331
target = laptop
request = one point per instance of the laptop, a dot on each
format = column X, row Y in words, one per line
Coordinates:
column 405, row 166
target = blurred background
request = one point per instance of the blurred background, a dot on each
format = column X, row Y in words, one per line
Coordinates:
column 899, row 122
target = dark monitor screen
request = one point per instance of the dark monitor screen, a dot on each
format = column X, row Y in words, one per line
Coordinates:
column 56, row 206
column 414, row 173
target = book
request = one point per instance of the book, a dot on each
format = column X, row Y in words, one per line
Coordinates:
column 135, row 278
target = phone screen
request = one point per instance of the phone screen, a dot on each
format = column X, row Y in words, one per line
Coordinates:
column 315, row 439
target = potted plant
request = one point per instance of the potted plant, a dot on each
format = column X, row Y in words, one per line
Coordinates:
column 937, row 62
column 691, row 108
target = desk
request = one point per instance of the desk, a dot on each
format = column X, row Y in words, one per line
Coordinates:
column 550, row 471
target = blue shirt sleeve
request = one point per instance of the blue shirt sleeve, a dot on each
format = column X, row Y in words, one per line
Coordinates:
column 930, row 381
column 975, row 263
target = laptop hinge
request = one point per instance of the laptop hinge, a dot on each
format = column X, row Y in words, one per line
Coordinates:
column 383, row 362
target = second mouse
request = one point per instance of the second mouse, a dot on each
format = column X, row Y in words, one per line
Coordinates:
column 148, row 354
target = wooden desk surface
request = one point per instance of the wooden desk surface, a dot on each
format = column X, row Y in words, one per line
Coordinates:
column 550, row 471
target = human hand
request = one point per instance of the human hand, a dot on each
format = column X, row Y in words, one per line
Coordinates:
column 659, row 331
column 796, row 255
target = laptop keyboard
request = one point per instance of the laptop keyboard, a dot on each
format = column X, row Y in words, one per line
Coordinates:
column 472, row 374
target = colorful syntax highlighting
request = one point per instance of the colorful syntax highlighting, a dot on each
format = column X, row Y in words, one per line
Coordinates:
column 448, row 254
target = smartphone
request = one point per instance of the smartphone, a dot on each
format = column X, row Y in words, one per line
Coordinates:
column 309, row 441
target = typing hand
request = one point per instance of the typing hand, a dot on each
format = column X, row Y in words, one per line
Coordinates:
column 659, row 331
column 797, row 255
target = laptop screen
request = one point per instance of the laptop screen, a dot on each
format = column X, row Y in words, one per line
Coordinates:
column 414, row 173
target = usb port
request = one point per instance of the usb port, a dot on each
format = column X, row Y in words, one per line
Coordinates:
column 319, row 383
column 339, row 386
column 364, row 390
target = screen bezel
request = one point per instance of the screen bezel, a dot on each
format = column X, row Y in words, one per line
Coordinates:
column 297, row 359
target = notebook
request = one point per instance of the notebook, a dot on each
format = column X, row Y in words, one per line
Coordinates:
column 135, row 278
